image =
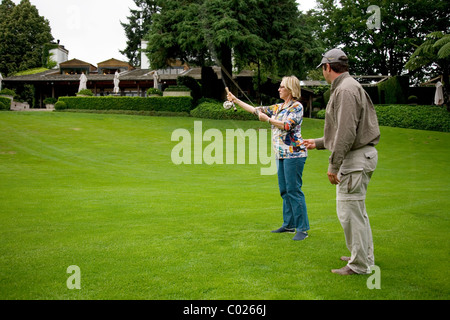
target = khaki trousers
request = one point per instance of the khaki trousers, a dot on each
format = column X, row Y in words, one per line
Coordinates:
column 354, row 175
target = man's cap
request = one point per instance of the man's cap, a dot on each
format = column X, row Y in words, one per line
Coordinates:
column 334, row 55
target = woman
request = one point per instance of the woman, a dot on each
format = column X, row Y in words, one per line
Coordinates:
column 286, row 119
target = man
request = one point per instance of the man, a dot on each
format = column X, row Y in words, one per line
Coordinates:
column 351, row 133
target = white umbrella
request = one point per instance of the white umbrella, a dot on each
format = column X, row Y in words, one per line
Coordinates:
column 439, row 95
column 1, row 78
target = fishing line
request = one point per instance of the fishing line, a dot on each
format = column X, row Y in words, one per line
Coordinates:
column 208, row 38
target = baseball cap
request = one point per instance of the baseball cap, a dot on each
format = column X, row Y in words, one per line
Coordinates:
column 334, row 55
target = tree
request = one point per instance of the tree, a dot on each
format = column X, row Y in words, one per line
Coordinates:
column 23, row 34
column 386, row 50
column 231, row 33
column 435, row 50
column 137, row 27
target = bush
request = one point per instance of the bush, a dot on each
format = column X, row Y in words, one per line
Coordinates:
column 414, row 117
column 50, row 100
column 5, row 103
column 60, row 105
column 177, row 88
column 8, row 92
column 151, row 91
column 212, row 110
column 171, row 104
column 321, row 114
column 85, row 92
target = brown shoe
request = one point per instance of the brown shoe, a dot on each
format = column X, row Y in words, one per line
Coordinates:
column 345, row 271
column 344, row 258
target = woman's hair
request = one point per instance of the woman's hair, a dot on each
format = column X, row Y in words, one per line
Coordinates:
column 293, row 85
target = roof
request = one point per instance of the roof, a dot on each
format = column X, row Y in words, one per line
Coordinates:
column 111, row 63
column 75, row 63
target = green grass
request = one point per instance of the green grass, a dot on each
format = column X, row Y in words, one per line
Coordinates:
column 101, row 192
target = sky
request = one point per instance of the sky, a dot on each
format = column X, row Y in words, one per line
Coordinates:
column 91, row 29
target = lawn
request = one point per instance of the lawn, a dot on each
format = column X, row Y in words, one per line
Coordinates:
column 101, row 192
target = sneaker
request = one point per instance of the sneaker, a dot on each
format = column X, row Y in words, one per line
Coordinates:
column 283, row 229
column 301, row 235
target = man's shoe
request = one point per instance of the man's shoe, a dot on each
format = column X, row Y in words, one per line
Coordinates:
column 283, row 229
column 300, row 235
column 345, row 271
column 344, row 258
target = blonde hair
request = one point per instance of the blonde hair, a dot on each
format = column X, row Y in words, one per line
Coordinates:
column 293, row 85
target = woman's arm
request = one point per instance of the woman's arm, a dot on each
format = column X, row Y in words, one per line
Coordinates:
column 262, row 116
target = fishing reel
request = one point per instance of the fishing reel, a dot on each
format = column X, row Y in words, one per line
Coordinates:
column 227, row 105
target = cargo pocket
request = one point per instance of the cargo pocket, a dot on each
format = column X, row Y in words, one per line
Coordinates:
column 372, row 159
column 351, row 181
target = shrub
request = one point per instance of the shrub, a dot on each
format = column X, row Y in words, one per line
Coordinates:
column 60, row 105
column 414, row 117
column 85, row 92
column 321, row 114
column 5, row 103
column 171, row 104
column 8, row 92
column 177, row 88
column 212, row 110
column 50, row 100
column 151, row 91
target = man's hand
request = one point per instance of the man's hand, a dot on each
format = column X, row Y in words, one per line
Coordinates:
column 333, row 178
column 309, row 144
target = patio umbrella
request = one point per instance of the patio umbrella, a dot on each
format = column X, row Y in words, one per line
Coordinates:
column 439, row 95
column 1, row 78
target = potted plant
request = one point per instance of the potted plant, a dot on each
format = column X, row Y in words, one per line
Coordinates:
column 153, row 92
column 50, row 103
column 85, row 93
column 8, row 93
column 177, row 91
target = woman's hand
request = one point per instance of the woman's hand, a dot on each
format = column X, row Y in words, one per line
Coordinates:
column 231, row 97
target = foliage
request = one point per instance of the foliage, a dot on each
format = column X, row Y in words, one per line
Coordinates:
column 60, row 105
column 137, row 27
column 151, row 91
column 29, row 71
column 215, row 110
column 192, row 85
column 50, row 100
column 8, row 92
column 435, row 50
column 5, row 103
column 430, row 118
column 394, row 90
column 85, row 92
column 384, row 51
column 173, row 104
column 23, row 34
column 213, row 32
column 177, row 88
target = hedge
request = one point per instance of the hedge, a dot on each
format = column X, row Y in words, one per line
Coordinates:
column 214, row 110
column 171, row 104
column 5, row 103
column 431, row 118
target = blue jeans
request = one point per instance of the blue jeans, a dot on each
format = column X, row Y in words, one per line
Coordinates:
column 290, row 173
